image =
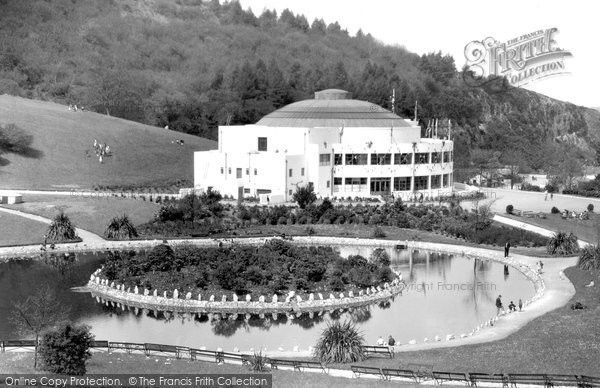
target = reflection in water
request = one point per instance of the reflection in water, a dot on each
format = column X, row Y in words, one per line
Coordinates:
column 444, row 295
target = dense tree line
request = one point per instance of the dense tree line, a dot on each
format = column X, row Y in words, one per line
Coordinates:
column 275, row 267
column 194, row 65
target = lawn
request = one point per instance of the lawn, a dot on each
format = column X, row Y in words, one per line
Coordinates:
column 116, row 363
column 586, row 230
column 89, row 214
column 142, row 155
column 15, row 230
column 563, row 341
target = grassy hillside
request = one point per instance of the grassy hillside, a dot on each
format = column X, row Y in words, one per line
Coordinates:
column 142, row 154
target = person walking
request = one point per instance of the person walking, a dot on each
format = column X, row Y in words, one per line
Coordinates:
column 546, row 195
column 520, row 305
column 499, row 308
column 506, row 249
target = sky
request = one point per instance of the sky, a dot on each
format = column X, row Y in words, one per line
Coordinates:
column 448, row 26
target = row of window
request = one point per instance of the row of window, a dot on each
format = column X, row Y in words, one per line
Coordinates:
column 238, row 172
column 386, row 159
column 402, row 183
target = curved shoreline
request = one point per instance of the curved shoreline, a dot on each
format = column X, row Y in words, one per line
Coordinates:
column 552, row 289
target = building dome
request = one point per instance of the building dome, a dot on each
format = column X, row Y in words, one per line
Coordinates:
column 332, row 108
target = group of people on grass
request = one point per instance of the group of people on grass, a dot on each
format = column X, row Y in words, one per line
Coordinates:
column 101, row 150
column 75, row 108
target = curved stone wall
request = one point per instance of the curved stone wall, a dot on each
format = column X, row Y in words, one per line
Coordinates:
column 225, row 303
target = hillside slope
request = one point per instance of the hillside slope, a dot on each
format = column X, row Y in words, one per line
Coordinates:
column 142, row 154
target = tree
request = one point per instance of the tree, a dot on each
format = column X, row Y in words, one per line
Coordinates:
column 120, row 228
column 304, row 195
column 514, row 161
column 66, row 349
column 380, row 257
column 61, row 229
column 38, row 313
column 487, row 163
column 340, row 343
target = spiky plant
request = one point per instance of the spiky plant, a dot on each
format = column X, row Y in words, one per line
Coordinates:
column 258, row 362
column 563, row 244
column 340, row 343
column 61, row 229
column 589, row 258
column 120, row 228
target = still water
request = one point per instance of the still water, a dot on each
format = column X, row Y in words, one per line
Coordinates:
column 444, row 295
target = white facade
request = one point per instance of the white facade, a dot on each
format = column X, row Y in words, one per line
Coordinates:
column 368, row 154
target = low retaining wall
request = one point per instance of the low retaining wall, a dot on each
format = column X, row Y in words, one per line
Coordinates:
column 102, row 289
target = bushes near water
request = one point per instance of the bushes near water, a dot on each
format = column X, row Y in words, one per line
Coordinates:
column 274, row 267
column 452, row 220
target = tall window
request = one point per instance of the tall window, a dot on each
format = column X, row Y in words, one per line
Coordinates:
column 402, row 183
column 436, row 181
column 302, row 171
column 247, row 171
column 290, row 172
column 255, row 171
column 229, row 170
column 446, row 180
column 436, row 157
column 356, row 159
column 422, row 158
column 381, row 159
column 222, row 171
column 337, row 181
column 337, row 159
column 403, row 158
column 262, row 143
column 238, row 172
column 325, row 159
column 328, row 184
column 421, row 183
column 446, row 157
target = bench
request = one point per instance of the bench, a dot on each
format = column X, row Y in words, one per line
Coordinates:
column 488, row 378
column 590, row 381
column 222, row 356
column 564, row 380
column 300, row 365
column 529, row 379
column 196, row 353
column 421, row 371
column 99, row 345
column 367, row 370
column 275, row 363
column 440, row 377
column 129, row 347
column 402, row 373
column 177, row 351
column 527, row 213
column 378, row 350
column 17, row 344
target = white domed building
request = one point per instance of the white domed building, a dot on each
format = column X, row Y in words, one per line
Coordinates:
column 344, row 147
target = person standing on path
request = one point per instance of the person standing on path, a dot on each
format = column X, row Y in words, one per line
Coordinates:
column 499, row 308
column 506, row 249
column 546, row 195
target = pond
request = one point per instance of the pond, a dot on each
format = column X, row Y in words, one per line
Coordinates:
column 444, row 295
